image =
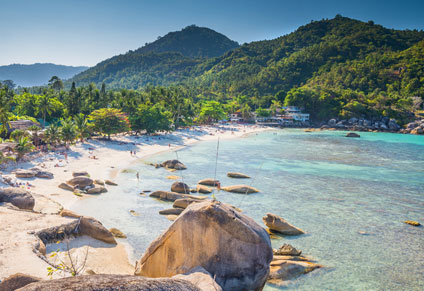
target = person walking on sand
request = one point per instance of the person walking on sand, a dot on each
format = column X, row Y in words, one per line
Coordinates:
column 138, row 176
column 66, row 156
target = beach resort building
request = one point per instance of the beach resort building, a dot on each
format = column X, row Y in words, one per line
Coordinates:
column 295, row 114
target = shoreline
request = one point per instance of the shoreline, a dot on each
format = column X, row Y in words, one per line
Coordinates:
column 112, row 157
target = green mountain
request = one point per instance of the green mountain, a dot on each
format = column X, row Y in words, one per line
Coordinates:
column 164, row 61
column 338, row 67
column 37, row 74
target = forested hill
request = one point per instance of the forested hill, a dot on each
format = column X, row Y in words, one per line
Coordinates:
column 37, row 74
column 337, row 67
column 167, row 60
column 193, row 42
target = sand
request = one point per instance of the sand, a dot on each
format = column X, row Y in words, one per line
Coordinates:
column 16, row 227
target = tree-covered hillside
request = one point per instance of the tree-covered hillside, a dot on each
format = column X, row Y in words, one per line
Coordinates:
column 167, row 60
column 338, row 67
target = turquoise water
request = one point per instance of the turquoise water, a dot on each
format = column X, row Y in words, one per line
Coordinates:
column 334, row 188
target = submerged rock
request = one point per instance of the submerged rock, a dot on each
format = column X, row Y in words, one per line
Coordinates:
column 180, row 187
column 174, row 164
column 277, row 223
column 209, row 182
column 413, row 223
column 17, row 197
column 243, row 189
column 352, row 134
column 288, row 270
column 232, row 247
column 237, row 175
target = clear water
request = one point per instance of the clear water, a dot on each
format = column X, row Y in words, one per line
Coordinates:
column 334, row 188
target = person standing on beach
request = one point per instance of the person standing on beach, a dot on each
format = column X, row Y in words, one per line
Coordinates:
column 138, row 176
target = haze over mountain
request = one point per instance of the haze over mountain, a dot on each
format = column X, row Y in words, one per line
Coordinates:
column 37, row 74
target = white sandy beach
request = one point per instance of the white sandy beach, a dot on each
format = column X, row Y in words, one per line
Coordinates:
column 17, row 227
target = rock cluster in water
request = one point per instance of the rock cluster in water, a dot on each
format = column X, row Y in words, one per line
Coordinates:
column 357, row 124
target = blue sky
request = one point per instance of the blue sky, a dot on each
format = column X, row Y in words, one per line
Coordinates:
column 85, row 32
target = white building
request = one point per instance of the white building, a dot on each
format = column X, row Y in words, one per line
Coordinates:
column 295, row 113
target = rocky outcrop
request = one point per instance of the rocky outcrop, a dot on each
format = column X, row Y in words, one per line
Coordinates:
column 243, row 189
column 110, row 183
column 117, row 233
column 232, row 247
column 44, row 175
column 80, row 173
column 276, row 223
column 17, row 281
column 171, row 211
column 288, row 264
column 112, row 282
column 352, row 134
column 17, row 197
column 203, row 189
column 80, row 181
column 237, row 175
column 180, row 187
column 172, row 196
column 358, row 124
column 99, row 182
column 65, row 186
column 94, row 228
column 184, row 202
column 97, row 190
column 174, row 164
column 24, row 173
column 209, row 182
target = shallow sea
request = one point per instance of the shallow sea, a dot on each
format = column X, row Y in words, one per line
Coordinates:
column 351, row 196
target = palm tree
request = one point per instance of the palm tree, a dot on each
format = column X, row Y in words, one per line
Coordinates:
column 83, row 131
column 52, row 134
column 45, row 106
column 4, row 111
column 68, row 131
column 23, row 146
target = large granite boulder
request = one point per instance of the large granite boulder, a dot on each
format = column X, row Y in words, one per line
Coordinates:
column 94, row 228
column 209, row 182
column 18, row 197
column 80, row 181
column 276, row 223
column 174, row 164
column 237, row 175
column 180, row 187
column 226, row 243
column 243, row 189
column 16, row 281
column 44, row 174
column 112, row 282
column 332, row 122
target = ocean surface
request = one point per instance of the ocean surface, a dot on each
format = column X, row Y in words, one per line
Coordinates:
column 351, row 196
